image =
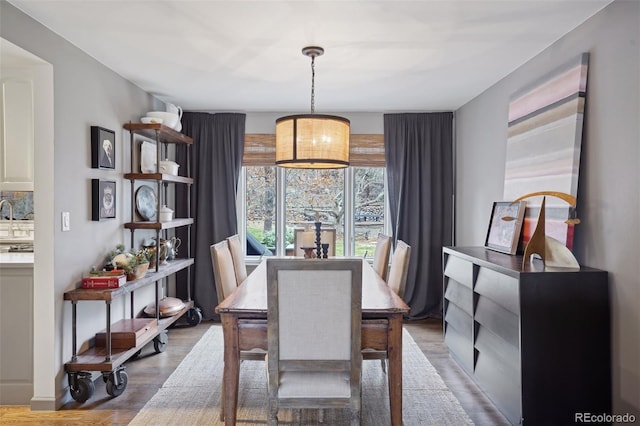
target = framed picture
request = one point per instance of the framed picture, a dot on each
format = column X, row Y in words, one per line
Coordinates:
column 103, row 148
column 103, row 199
column 505, row 226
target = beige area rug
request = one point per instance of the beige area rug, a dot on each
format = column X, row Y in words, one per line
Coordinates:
column 191, row 395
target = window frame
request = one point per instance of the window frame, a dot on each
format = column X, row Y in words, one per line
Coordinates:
column 349, row 218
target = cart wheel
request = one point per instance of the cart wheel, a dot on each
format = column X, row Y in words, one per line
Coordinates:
column 82, row 387
column 160, row 342
column 194, row 316
column 137, row 354
column 117, row 382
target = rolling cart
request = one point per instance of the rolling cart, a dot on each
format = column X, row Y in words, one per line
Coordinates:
column 106, row 358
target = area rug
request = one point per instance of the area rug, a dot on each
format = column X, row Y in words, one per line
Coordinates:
column 191, row 395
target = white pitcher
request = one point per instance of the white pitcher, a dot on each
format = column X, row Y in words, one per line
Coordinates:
column 175, row 110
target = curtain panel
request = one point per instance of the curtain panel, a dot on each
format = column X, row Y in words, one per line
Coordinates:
column 419, row 158
column 216, row 160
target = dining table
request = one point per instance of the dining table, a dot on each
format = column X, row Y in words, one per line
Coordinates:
column 244, row 323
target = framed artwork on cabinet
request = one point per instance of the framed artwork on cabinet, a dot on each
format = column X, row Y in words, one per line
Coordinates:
column 103, row 148
column 505, row 225
column 103, row 199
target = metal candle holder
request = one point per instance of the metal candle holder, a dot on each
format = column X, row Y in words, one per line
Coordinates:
column 318, row 240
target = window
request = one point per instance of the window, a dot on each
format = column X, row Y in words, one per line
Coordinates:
column 369, row 208
column 311, row 195
column 273, row 202
column 260, row 212
column 315, row 195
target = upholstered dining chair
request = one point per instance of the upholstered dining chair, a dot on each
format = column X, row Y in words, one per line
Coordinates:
column 314, row 335
column 223, row 270
column 238, row 258
column 381, row 255
column 224, row 276
column 399, row 268
column 397, row 282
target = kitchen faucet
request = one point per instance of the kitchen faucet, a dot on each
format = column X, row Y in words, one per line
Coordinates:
column 2, row 203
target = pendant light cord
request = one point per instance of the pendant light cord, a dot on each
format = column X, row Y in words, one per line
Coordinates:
column 313, row 83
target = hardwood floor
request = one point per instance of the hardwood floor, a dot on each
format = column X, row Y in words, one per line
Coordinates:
column 428, row 336
column 149, row 371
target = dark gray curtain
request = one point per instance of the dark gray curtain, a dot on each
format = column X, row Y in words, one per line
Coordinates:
column 216, row 160
column 419, row 161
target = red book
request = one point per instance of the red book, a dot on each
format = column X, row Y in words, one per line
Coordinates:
column 111, row 279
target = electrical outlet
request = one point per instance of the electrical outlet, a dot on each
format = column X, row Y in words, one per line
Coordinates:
column 66, row 222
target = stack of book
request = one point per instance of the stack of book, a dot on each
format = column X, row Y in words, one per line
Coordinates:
column 105, row 279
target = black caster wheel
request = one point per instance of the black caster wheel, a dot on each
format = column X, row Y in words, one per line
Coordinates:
column 117, row 382
column 194, row 316
column 160, row 342
column 137, row 354
column 82, row 386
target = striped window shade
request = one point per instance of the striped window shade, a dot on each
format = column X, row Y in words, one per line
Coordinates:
column 365, row 150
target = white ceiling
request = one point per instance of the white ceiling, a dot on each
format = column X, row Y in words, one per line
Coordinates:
column 380, row 56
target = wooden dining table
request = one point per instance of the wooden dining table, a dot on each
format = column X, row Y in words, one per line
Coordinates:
column 244, row 324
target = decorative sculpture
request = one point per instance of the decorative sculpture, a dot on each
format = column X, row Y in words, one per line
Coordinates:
column 552, row 252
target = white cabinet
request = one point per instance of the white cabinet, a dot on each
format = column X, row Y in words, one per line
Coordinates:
column 16, row 131
column 16, row 329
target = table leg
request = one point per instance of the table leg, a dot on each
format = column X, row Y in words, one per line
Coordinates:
column 231, row 367
column 394, row 352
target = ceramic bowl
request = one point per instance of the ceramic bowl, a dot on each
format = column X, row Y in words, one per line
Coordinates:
column 168, row 119
column 151, row 120
column 166, row 214
column 169, row 167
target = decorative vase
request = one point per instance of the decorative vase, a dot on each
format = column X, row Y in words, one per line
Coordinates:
column 138, row 272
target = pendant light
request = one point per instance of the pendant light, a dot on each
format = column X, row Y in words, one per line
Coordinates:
column 312, row 141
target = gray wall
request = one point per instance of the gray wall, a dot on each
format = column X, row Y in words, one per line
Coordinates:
column 85, row 93
column 609, row 184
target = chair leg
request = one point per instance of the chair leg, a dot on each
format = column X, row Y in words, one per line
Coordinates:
column 222, row 401
column 273, row 413
column 355, row 418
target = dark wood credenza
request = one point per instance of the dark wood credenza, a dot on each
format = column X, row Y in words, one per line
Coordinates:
column 536, row 342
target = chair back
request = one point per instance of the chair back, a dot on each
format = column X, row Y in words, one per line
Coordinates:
column 399, row 268
column 223, row 271
column 381, row 256
column 314, row 335
column 238, row 258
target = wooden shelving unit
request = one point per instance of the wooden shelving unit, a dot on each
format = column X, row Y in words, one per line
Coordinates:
column 109, row 360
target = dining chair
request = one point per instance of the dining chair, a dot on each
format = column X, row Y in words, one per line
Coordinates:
column 397, row 282
column 381, row 256
column 237, row 255
column 399, row 268
column 314, row 335
column 224, row 275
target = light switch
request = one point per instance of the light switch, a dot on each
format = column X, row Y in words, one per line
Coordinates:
column 66, row 222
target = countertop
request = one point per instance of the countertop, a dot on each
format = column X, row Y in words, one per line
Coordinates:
column 16, row 260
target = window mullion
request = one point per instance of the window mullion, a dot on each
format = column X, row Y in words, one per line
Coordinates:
column 241, row 208
column 281, row 217
column 349, row 230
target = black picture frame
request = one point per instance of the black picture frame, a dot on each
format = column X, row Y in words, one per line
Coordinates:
column 103, row 199
column 505, row 226
column 103, row 148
